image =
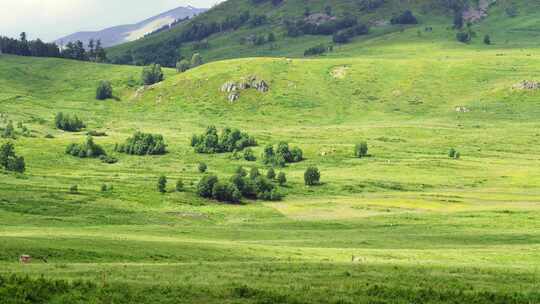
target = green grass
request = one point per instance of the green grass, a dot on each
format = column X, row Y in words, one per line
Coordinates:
column 425, row 228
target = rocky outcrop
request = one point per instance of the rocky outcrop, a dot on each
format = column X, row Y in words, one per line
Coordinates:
column 462, row 109
column 250, row 82
column 527, row 85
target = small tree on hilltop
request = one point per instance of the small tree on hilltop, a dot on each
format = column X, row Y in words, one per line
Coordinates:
column 282, row 179
column 182, row 66
column 361, row 150
column 104, row 90
column 162, row 184
column 312, row 176
column 152, row 74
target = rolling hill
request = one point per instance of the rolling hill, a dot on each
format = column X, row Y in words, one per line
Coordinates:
column 131, row 32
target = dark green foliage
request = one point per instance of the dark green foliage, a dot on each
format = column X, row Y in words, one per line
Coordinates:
column 254, row 173
column 9, row 131
column 249, row 155
column 104, row 188
column 241, row 171
column 303, row 27
column 74, row 189
column 452, row 153
column 257, row 20
column 312, row 176
column 487, row 40
column 256, row 186
column 406, row 17
column 226, row 192
column 458, row 19
column 196, row 60
column 9, row 159
column 179, row 185
column 463, row 37
column 24, row 47
column 316, row 50
column 346, row 35
column 88, row 149
column 106, row 159
column 271, row 174
column 202, row 167
column 182, row 66
column 282, row 155
column 282, row 178
column 228, row 141
column 152, row 74
column 96, row 133
column 206, row 186
column 68, row 123
column 104, row 90
column 361, row 150
column 143, row 144
column 162, row 184
column 271, row 37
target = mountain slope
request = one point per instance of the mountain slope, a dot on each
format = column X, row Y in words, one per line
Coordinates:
column 131, row 32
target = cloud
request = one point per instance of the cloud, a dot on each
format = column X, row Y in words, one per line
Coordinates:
column 50, row 19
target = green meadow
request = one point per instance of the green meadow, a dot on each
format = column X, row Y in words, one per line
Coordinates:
column 407, row 224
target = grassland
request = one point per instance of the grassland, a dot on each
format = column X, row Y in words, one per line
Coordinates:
column 424, row 228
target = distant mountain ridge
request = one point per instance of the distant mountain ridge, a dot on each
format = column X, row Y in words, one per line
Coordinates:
column 130, row 32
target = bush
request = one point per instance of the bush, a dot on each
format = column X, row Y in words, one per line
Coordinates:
column 9, row 131
column 152, row 74
column 202, row 167
column 487, row 40
column 241, row 171
column 346, row 35
column 104, row 188
column 162, row 184
column 68, row 123
column 182, row 66
column 361, row 150
column 96, row 133
column 9, row 160
column 226, row 192
column 206, row 186
column 249, row 155
column 104, row 90
column 143, row 144
column 271, row 174
column 74, row 189
column 108, row 159
column 179, row 186
column 88, row 149
column 228, row 141
column 463, row 37
column 254, row 173
column 282, row 179
column 452, row 153
column 406, row 17
column 312, row 176
column 316, row 50
column 282, row 155
column 196, row 60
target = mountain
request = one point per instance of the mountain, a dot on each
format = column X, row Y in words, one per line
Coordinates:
column 241, row 28
column 131, row 32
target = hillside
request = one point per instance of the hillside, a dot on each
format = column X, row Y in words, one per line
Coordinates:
column 130, row 32
column 238, row 28
column 407, row 224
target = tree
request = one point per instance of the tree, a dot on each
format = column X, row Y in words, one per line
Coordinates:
column 143, row 144
column 206, row 186
column 179, row 185
column 312, row 176
column 9, row 160
column 162, row 184
column 9, row 131
column 271, row 174
column 271, row 37
column 463, row 37
column 152, row 74
column 196, row 60
column 226, row 192
column 254, row 173
column 452, row 153
column 406, row 17
column 202, row 167
column 361, row 150
column 74, row 189
column 249, row 155
column 282, row 179
column 88, row 149
column 104, row 90
column 241, row 171
column 182, row 66
column 487, row 40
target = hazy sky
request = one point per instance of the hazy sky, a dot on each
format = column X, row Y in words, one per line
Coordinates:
column 51, row 19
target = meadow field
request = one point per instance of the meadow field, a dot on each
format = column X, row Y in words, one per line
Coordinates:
column 407, row 224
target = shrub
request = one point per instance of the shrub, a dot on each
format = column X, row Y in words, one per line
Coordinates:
column 346, row 35
column 74, row 189
column 152, row 74
column 241, row 171
column 487, row 40
column 143, row 144
column 254, row 173
column 106, row 159
column 196, row 60
column 68, row 123
column 406, row 17
column 88, row 149
column 282, row 155
column 282, row 179
column 104, row 188
column 249, row 155
column 96, row 133
column 9, row 160
column 179, row 185
column 271, row 174
column 226, row 192
column 463, row 37
column 312, row 176
column 182, row 66
column 202, row 167
column 316, row 50
column 457, row 156
column 452, row 153
column 206, row 186
column 162, row 184
column 104, row 90
column 361, row 150
column 228, row 141
column 9, row 131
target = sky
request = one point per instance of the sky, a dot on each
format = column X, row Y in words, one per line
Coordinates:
column 52, row 19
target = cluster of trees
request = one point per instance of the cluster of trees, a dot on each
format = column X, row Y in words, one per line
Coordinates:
column 184, row 64
column 257, row 20
column 361, row 150
column 104, row 90
column 9, row 159
column 88, row 149
column 253, row 186
column 93, row 52
column 282, row 155
column 152, row 74
column 406, row 17
column 300, row 27
column 68, row 123
column 24, row 47
column 344, row 36
column 230, row 140
column 312, row 176
column 143, row 144
column 316, row 50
